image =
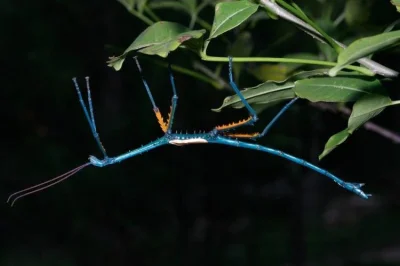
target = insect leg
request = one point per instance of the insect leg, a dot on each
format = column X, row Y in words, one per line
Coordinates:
column 89, row 116
column 160, row 118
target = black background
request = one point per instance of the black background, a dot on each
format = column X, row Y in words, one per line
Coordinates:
column 192, row 205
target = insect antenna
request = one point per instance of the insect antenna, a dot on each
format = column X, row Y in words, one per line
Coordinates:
column 49, row 183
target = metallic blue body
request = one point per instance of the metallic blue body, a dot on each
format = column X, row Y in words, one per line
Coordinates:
column 218, row 135
column 117, row 159
column 214, row 137
column 353, row 187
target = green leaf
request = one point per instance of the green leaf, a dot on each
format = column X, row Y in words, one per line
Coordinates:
column 364, row 47
column 364, row 110
column 270, row 92
column 160, row 39
column 188, row 6
column 308, row 74
column 164, row 48
column 333, row 142
column 344, row 88
column 265, row 93
column 396, row 3
column 177, row 5
column 280, row 71
column 229, row 15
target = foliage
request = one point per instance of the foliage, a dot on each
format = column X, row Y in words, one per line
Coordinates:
column 359, row 84
column 195, row 205
column 396, row 3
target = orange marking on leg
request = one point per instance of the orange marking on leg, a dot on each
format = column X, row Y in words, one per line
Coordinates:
column 243, row 135
column 169, row 116
column 234, row 124
column 160, row 120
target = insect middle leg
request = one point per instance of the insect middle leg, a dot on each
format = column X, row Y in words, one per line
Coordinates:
column 165, row 126
column 174, row 100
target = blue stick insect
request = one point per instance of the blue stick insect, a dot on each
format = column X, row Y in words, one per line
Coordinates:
column 219, row 135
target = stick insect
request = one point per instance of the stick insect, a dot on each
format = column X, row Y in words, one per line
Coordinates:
column 224, row 134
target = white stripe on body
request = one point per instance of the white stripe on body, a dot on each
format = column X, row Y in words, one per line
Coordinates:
column 181, row 142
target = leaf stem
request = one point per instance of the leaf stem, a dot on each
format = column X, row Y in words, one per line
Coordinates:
column 205, row 57
column 203, row 23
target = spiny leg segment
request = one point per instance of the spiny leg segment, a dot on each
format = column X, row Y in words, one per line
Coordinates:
column 253, row 116
column 174, row 100
column 89, row 116
column 248, row 121
column 165, row 126
column 257, row 135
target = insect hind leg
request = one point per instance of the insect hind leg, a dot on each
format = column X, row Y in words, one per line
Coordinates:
column 253, row 115
column 276, row 117
column 257, row 135
column 251, row 111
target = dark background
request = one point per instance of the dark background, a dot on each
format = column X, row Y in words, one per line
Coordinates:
column 193, row 205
